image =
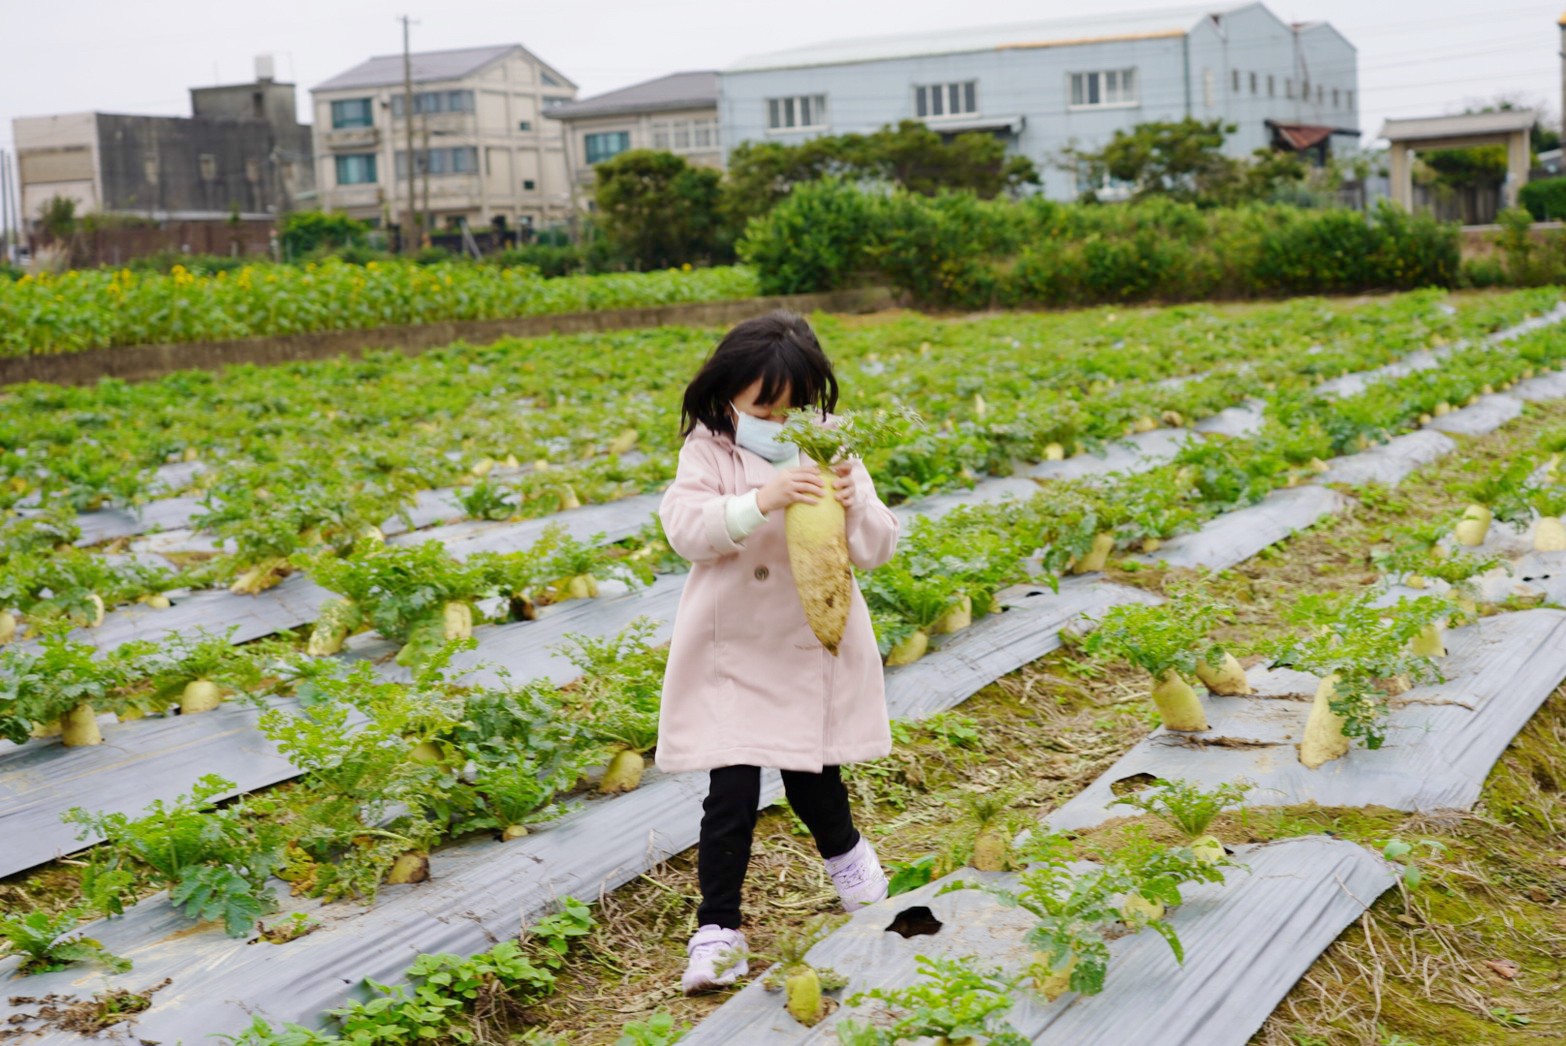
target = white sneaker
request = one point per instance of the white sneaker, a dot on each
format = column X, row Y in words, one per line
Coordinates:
column 717, row 959
column 858, row 876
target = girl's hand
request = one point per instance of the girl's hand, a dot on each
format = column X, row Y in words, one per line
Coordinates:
column 790, row 486
column 844, row 488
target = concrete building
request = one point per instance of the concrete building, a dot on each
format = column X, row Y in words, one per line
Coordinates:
column 478, row 131
column 677, row 113
column 1044, row 86
column 243, row 150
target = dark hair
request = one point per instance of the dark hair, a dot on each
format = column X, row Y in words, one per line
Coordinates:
column 780, row 349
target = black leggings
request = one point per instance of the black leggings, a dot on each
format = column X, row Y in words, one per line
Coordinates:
column 729, row 820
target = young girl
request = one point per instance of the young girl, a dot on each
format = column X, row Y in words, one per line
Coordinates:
column 748, row 684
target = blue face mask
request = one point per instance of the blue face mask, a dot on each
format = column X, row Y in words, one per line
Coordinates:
column 760, row 437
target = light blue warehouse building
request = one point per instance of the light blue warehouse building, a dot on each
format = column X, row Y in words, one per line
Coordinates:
column 1042, row 86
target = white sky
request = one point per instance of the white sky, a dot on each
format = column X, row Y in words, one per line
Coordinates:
column 140, row 56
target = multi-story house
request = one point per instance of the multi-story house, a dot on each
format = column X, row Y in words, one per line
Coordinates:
column 483, row 154
column 1045, row 87
column 677, row 113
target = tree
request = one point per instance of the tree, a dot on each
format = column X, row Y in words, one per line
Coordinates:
column 660, row 211
column 304, row 232
column 909, row 155
column 1184, row 160
column 58, row 217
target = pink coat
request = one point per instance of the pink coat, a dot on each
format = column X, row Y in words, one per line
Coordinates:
column 747, row 681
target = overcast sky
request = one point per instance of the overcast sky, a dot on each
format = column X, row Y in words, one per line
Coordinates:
column 141, row 56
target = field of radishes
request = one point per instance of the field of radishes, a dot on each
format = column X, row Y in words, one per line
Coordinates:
column 319, row 680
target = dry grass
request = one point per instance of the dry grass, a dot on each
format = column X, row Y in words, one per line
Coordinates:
column 1400, row 976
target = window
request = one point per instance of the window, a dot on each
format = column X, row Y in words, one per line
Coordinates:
column 1253, row 84
column 605, row 144
column 1114, row 87
column 1234, row 77
column 1351, row 99
column 356, row 169
column 208, row 164
column 1270, row 85
column 1305, row 91
column 1334, row 98
column 1207, row 88
column 352, row 112
column 808, row 110
column 527, row 184
column 550, row 101
column 426, row 102
column 549, row 81
column 1319, row 94
column 458, row 159
column 1288, row 88
column 684, row 135
column 959, row 99
column 524, row 125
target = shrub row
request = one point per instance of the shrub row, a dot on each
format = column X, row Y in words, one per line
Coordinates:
column 958, row 251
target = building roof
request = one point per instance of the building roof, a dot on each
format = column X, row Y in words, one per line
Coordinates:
column 385, row 70
column 1175, row 21
column 691, row 90
column 1302, row 136
column 1458, row 126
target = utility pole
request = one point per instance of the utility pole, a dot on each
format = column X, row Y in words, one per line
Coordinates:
column 428, row 227
column 5, row 207
column 407, row 113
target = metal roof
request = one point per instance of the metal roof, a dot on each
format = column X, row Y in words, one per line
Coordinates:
column 690, row 90
column 1053, row 32
column 428, row 66
column 1458, row 126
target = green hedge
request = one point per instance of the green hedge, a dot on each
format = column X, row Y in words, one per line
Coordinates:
column 958, row 251
column 1545, row 199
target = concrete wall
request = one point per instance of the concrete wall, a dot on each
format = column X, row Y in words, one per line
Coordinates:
column 1033, row 82
column 293, row 150
column 57, row 156
column 162, row 165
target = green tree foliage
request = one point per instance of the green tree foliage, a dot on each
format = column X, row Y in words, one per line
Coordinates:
column 58, row 216
column 305, row 232
column 660, row 211
column 910, row 155
column 1474, row 167
column 1184, row 160
column 1545, row 199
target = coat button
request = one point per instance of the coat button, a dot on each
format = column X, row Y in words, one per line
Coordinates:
column 761, row 573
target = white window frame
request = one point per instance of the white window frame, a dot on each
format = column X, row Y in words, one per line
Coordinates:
column 944, row 96
column 1110, row 84
column 785, row 115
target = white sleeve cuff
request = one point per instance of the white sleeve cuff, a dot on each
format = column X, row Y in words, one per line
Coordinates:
column 741, row 515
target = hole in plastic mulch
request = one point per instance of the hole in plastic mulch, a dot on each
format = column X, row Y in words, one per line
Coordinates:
column 915, row 922
column 1133, row 783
